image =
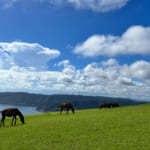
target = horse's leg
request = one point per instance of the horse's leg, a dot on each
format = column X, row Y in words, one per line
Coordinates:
column 67, row 110
column 15, row 120
column 2, row 120
column 61, row 110
column 12, row 120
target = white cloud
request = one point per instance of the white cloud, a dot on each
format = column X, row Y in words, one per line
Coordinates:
column 126, row 81
column 26, row 55
column 136, row 40
column 97, row 74
column 139, row 69
column 63, row 63
column 27, row 80
column 107, row 78
column 94, row 5
column 110, row 62
column 23, row 63
column 65, row 79
column 98, row 5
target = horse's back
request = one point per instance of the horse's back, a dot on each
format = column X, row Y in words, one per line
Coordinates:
column 115, row 105
column 102, row 105
column 65, row 105
column 10, row 111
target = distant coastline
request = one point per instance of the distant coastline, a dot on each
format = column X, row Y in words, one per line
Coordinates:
column 46, row 103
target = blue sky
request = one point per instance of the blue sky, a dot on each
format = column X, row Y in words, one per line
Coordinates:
column 89, row 47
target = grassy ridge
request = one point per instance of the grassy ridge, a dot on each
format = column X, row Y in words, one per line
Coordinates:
column 124, row 128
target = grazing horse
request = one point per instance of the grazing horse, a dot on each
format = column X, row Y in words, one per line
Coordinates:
column 104, row 105
column 9, row 113
column 114, row 105
column 67, row 106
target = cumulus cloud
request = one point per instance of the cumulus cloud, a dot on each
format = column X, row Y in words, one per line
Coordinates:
column 19, row 64
column 139, row 69
column 26, row 80
column 126, row 81
column 27, row 55
column 97, row 74
column 136, row 40
column 114, row 80
column 110, row 62
column 94, row 5
column 64, row 79
column 68, row 72
column 107, row 78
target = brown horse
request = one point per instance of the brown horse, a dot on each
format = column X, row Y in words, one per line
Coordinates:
column 67, row 106
column 104, row 105
column 11, row 112
column 114, row 105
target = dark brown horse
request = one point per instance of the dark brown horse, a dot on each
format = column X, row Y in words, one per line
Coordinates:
column 12, row 112
column 67, row 106
column 114, row 105
column 104, row 105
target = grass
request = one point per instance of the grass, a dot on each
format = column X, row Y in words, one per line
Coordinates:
column 124, row 128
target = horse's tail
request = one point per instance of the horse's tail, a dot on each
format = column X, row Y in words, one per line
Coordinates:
column 73, row 110
column 21, row 117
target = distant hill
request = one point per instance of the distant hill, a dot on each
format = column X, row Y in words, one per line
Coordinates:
column 50, row 102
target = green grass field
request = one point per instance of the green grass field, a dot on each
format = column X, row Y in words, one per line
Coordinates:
column 124, row 128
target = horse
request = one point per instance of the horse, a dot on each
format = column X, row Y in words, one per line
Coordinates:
column 114, row 105
column 9, row 113
column 104, row 105
column 66, row 105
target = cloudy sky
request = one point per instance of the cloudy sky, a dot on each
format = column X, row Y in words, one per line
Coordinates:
column 89, row 47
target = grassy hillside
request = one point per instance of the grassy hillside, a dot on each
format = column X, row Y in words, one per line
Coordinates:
column 124, row 128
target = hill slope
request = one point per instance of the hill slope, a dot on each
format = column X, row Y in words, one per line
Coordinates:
column 124, row 128
column 50, row 102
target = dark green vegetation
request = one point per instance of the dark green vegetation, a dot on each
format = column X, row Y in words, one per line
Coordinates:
column 123, row 128
column 50, row 102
